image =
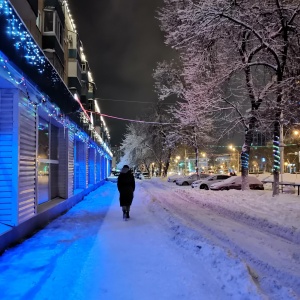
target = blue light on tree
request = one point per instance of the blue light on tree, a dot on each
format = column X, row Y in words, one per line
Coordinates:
column 245, row 160
column 276, row 153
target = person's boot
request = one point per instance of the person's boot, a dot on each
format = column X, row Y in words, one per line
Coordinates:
column 127, row 214
column 124, row 214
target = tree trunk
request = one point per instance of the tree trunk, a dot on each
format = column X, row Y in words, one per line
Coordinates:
column 159, row 168
column 166, row 168
column 246, row 153
column 196, row 161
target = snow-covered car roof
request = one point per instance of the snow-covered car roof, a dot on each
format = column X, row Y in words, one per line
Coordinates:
column 237, row 179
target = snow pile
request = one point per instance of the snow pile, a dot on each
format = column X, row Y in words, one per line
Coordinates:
column 276, row 215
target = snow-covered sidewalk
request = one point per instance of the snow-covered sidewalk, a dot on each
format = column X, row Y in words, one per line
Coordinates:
column 90, row 253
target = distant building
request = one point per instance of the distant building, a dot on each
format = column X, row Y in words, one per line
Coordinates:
column 259, row 139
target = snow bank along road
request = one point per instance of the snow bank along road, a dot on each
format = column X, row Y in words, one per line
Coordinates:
column 270, row 251
column 176, row 246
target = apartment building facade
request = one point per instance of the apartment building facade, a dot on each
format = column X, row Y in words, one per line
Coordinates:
column 54, row 145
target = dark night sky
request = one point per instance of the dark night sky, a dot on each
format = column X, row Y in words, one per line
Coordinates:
column 122, row 42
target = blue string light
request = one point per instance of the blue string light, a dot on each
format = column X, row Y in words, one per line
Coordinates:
column 26, row 45
column 51, row 109
column 23, row 41
column 245, row 160
column 276, row 153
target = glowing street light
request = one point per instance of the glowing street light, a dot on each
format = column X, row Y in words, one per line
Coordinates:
column 232, row 148
column 297, row 134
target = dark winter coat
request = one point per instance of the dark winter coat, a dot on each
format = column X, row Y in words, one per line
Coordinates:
column 126, row 187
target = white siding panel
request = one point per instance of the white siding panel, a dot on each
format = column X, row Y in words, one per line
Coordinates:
column 86, row 166
column 92, row 166
column 63, row 154
column 98, row 167
column 71, row 163
column 8, row 156
column 27, row 159
column 81, row 165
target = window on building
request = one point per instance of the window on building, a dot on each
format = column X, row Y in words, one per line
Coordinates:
column 47, row 161
column 39, row 21
column 59, row 30
column 48, row 21
column 53, row 25
column 91, row 87
column 83, row 67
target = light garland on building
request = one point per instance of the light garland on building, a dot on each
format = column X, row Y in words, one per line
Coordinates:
column 52, row 110
column 27, row 47
column 23, row 41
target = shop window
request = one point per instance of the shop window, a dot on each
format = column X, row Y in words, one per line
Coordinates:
column 47, row 161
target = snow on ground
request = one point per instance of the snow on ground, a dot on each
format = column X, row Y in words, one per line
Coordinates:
column 261, row 230
column 180, row 243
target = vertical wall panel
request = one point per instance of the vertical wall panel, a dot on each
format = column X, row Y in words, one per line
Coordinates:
column 71, row 144
column 109, row 161
column 86, row 165
column 54, row 166
column 9, row 156
column 27, row 158
column 63, row 154
column 92, row 166
column 81, row 165
column 106, row 166
column 102, row 167
column 98, row 166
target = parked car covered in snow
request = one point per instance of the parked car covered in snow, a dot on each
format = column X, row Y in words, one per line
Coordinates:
column 190, row 179
column 173, row 178
column 115, row 172
column 143, row 175
column 235, row 182
column 205, row 183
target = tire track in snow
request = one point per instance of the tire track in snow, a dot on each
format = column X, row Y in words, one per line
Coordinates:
column 256, row 248
column 261, row 224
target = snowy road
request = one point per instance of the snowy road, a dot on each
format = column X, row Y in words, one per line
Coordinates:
column 175, row 246
column 270, row 251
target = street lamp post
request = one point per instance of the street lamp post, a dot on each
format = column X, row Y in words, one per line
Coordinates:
column 237, row 158
column 297, row 134
column 178, row 159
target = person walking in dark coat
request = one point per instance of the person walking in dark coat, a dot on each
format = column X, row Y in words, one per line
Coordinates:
column 126, row 187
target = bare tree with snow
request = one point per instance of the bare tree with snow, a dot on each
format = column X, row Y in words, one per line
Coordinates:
column 219, row 39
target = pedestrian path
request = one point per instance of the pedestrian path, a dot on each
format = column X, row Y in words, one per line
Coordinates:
column 90, row 253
